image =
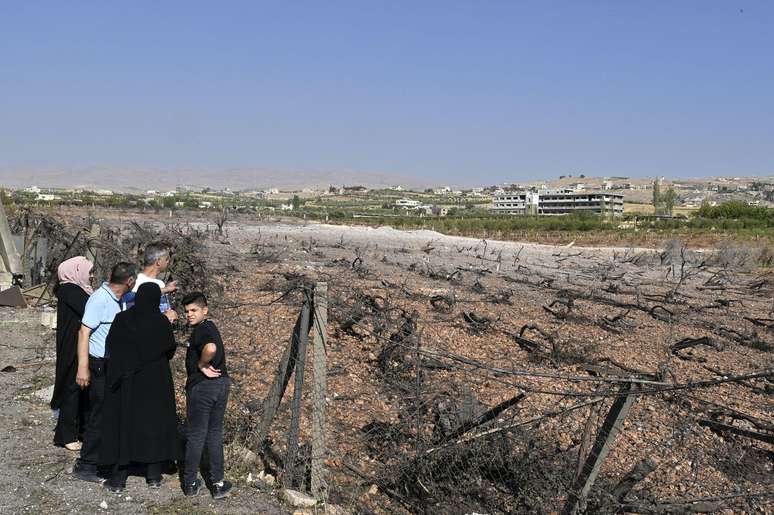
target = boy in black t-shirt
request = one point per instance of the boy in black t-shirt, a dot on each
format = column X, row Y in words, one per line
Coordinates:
column 206, row 397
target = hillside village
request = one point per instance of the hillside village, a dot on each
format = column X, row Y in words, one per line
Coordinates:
column 629, row 195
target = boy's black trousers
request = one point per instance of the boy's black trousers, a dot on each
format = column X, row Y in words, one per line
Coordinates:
column 205, row 408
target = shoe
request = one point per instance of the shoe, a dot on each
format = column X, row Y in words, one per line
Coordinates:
column 114, row 489
column 192, row 490
column 154, row 484
column 221, row 489
column 86, row 473
column 72, row 446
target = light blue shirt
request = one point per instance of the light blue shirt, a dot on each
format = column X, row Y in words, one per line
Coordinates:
column 101, row 308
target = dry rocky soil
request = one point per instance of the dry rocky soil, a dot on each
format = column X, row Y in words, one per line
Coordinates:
column 427, row 335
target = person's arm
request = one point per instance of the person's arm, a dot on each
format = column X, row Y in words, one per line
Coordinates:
column 204, row 365
column 82, row 376
column 171, row 343
column 170, row 287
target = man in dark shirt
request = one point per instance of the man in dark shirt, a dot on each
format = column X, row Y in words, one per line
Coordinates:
column 206, row 390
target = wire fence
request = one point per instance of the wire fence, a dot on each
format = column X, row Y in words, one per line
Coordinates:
column 487, row 380
column 419, row 422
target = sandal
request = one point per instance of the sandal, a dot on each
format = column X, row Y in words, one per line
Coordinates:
column 73, row 446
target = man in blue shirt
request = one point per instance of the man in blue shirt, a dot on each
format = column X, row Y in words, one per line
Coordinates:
column 101, row 308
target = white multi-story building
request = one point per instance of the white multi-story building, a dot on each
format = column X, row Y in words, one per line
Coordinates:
column 516, row 202
column 557, row 202
column 407, row 203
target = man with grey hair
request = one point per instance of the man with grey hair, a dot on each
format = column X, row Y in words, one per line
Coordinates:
column 155, row 260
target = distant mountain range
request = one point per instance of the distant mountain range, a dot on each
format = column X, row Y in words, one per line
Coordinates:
column 132, row 179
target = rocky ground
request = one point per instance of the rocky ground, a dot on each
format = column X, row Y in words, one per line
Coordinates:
column 425, row 334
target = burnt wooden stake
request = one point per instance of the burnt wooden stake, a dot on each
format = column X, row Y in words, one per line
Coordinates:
column 91, row 248
column 295, row 417
column 484, row 417
column 607, row 433
column 719, row 426
column 319, row 343
column 282, row 376
column 585, row 445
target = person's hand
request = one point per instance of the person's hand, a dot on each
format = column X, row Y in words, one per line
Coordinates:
column 170, row 287
column 210, row 371
column 171, row 315
column 83, row 377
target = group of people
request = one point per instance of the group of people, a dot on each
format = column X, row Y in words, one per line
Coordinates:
column 114, row 389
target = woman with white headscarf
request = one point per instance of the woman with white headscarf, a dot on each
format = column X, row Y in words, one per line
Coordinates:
column 72, row 292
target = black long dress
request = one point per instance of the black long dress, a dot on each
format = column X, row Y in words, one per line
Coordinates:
column 67, row 396
column 139, row 424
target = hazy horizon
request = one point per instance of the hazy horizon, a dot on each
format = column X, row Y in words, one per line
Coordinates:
column 433, row 92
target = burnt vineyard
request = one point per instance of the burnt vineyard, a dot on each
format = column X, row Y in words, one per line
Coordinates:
column 488, row 377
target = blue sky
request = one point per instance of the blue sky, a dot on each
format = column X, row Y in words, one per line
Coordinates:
column 466, row 92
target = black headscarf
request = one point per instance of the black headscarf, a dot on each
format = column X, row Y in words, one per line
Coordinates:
column 146, row 304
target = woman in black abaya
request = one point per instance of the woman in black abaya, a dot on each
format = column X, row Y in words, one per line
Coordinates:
column 139, row 424
column 72, row 292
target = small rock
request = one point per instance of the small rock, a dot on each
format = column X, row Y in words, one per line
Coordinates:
column 373, row 490
column 250, row 477
column 297, row 499
column 103, row 505
column 335, row 509
column 245, row 455
column 266, row 478
column 44, row 394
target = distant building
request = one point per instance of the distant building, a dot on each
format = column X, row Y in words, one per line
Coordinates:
column 47, row 197
column 557, row 202
column 406, row 203
column 516, row 202
column 286, row 207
